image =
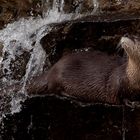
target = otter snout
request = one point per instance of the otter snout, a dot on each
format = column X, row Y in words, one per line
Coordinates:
column 127, row 42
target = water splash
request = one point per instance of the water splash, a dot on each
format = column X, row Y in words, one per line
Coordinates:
column 17, row 40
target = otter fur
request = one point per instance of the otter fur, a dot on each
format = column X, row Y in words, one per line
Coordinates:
column 94, row 76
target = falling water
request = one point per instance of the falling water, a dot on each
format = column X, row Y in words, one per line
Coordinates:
column 22, row 50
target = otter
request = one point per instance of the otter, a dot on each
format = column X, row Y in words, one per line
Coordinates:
column 94, row 76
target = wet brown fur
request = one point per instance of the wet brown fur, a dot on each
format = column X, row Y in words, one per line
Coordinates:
column 86, row 76
column 95, row 76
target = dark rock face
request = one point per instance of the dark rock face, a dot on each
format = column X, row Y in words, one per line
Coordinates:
column 11, row 10
column 83, row 34
column 52, row 118
column 63, row 119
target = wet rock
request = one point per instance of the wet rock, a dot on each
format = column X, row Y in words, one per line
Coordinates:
column 60, row 119
column 17, row 58
column 87, row 35
column 132, row 123
column 119, row 6
column 1, row 49
column 13, row 9
column 18, row 66
column 64, row 119
column 79, row 6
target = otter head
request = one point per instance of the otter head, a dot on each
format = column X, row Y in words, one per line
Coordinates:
column 131, row 45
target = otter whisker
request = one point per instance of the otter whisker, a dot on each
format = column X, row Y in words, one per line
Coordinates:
column 119, row 48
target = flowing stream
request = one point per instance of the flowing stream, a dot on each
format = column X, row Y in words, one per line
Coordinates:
column 23, row 56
